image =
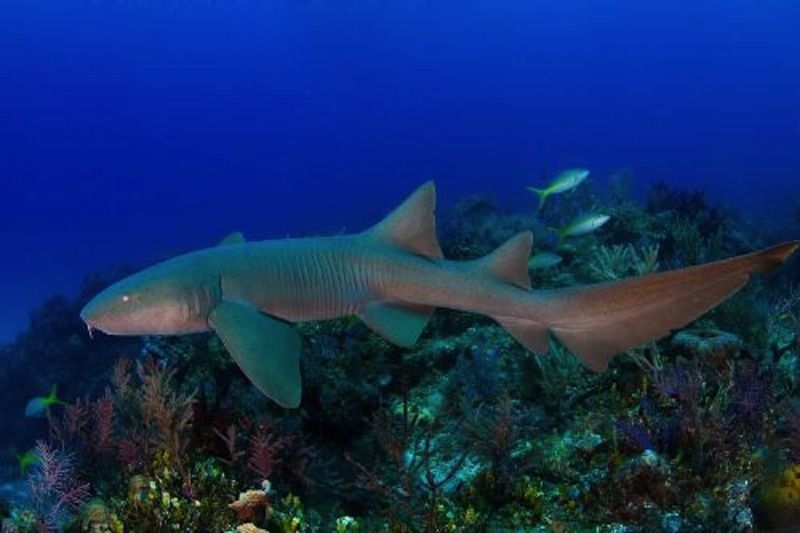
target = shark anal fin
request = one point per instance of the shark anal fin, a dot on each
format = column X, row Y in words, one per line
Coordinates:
column 532, row 335
column 266, row 349
column 399, row 323
column 509, row 262
column 412, row 225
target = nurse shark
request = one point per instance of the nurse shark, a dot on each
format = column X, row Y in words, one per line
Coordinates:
column 392, row 277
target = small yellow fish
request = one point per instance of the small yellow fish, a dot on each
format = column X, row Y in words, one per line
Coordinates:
column 565, row 181
column 37, row 407
column 543, row 260
column 25, row 460
column 581, row 225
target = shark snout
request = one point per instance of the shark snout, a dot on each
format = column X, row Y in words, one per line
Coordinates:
column 87, row 318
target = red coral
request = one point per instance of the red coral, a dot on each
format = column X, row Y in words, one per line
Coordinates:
column 231, row 440
column 129, row 449
column 265, row 448
column 103, row 412
column 75, row 417
column 52, row 488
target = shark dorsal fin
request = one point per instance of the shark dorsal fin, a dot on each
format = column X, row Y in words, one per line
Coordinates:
column 509, row 262
column 412, row 225
column 237, row 237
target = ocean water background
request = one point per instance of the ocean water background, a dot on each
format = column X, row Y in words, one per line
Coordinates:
column 134, row 130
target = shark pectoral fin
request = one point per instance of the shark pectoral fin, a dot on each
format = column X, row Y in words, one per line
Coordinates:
column 399, row 323
column 266, row 349
column 237, row 237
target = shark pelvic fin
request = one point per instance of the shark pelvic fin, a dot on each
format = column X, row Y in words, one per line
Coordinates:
column 509, row 262
column 598, row 321
column 412, row 225
column 266, row 349
column 237, row 237
column 399, row 323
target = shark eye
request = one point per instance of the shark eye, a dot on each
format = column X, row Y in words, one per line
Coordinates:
column 126, row 298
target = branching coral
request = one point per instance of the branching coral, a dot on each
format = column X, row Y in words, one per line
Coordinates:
column 609, row 263
column 103, row 417
column 496, row 433
column 166, row 416
column 787, row 310
column 141, row 416
column 265, row 449
column 484, row 436
column 53, row 490
column 412, row 479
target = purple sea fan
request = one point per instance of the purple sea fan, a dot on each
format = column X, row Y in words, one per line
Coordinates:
column 636, row 433
column 680, row 383
column 751, row 397
column 53, row 491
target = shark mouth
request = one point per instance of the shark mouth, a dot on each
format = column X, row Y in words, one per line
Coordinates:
column 90, row 329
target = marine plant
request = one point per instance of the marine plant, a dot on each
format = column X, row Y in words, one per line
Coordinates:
column 53, row 492
column 620, row 261
column 465, row 431
column 410, row 485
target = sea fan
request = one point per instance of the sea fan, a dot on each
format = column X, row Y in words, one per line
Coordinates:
column 53, row 491
column 265, row 448
column 103, row 414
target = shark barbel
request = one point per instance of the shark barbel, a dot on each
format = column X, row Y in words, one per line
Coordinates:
column 393, row 276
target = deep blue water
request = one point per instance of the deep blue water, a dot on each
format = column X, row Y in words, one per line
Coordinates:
column 131, row 130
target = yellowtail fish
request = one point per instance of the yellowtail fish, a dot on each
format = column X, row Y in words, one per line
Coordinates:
column 543, row 260
column 580, row 226
column 565, row 181
column 25, row 460
column 37, row 407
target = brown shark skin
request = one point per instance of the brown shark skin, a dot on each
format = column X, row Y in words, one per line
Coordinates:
column 399, row 263
column 303, row 280
column 315, row 279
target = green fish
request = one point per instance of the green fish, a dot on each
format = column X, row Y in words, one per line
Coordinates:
column 544, row 260
column 580, row 226
column 25, row 460
column 565, row 181
column 37, row 407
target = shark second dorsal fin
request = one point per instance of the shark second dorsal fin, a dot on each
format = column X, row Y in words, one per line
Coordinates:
column 509, row 262
column 412, row 225
column 237, row 237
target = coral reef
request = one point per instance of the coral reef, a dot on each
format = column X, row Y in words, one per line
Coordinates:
column 466, row 431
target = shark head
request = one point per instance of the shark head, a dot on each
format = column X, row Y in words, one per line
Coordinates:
column 161, row 300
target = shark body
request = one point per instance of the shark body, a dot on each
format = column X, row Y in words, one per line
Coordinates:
column 393, row 276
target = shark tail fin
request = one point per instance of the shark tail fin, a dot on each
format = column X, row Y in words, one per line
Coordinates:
column 412, row 225
column 598, row 321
